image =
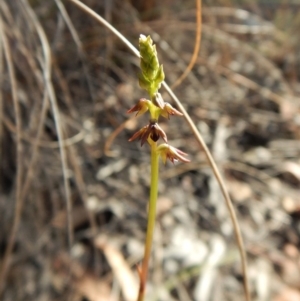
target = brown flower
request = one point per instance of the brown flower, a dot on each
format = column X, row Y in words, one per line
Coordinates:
column 167, row 151
column 141, row 107
column 152, row 130
column 168, row 110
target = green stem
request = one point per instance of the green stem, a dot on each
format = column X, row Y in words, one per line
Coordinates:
column 151, row 219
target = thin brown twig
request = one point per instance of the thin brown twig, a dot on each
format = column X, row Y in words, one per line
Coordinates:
column 202, row 144
column 113, row 135
column 196, row 47
column 19, row 172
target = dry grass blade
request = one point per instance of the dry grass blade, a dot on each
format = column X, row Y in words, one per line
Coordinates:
column 77, row 41
column 56, row 114
column 202, row 145
column 1, row 99
column 30, row 170
column 29, row 174
column 18, row 202
column 45, row 143
column 196, row 48
column 107, row 25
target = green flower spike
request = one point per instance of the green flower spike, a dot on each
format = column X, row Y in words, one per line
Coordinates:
column 167, row 151
column 150, row 79
column 152, row 73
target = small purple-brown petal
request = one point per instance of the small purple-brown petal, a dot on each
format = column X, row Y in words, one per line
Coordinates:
column 138, row 134
column 146, row 134
column 173, row 154
column 169, row 110
column 152, row 130
column 141, row 107
column 176, row 154
column 159, row 132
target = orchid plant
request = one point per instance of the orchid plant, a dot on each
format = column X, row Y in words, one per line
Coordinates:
column 150, row 79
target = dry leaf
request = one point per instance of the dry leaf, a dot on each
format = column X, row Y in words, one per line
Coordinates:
column 239, row 191
column 125, row 276
column 291, row 172
column 94, row 289
column 288, row 294
column 86, row 284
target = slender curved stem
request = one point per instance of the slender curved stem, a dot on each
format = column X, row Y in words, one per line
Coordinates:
column 151, row 219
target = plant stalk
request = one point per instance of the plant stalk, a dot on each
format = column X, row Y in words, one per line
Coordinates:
column 203, row 147
column 151, row 219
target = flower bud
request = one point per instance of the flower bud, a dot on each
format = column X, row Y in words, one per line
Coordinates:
column 168, row 110
column 141, row 107
column 167, row 151
column 152, row 73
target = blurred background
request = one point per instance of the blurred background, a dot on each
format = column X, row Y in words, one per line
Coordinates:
column 63, row 75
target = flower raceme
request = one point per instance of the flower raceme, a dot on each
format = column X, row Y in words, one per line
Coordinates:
column 150, row 79
column 153, row 132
